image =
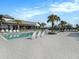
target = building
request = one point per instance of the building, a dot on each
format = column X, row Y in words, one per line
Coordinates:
column 10, row 24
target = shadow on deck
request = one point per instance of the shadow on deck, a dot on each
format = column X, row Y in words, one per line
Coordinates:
column 74, row 34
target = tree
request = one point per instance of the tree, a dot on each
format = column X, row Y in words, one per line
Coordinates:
column 52, row 18
column 42, row 25
column 63, row 25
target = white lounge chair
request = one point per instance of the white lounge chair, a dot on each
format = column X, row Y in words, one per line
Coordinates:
column 2, row 30
column 7, row 30
column 14, row 30
column 10, row 31
column 17, row 31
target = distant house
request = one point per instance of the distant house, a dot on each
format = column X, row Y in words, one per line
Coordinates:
column 11, row 24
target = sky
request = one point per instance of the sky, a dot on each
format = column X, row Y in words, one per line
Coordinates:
column 39, row 10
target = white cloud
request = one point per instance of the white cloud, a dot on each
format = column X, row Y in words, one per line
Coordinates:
column 28, row 13
column 75, row 18
column 65, row 7
column 76, row 1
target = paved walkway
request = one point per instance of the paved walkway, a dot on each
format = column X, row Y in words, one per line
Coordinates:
column 61, row 46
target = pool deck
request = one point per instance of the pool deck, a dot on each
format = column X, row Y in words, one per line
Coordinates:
column 61, row 46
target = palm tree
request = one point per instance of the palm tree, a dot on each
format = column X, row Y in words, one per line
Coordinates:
column 62, row 25
column 42, row 25
column 18, row 22
column 52, row 18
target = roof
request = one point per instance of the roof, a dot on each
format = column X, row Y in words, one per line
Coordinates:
column 23, row 22
column 11, row 21
column 7, row 16
column 28, row 22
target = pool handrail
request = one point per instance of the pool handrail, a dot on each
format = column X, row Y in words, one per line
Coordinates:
column 39, row 34
column 34, row 35
column 43, row 33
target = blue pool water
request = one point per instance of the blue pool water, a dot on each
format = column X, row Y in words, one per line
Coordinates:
column 12, row 36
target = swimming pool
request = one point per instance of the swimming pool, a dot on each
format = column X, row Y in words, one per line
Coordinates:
column 13, row 36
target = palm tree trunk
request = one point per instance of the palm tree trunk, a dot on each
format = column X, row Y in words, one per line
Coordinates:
column 52, row 25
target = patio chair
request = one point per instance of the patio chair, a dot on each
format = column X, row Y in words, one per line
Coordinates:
column 17, row 31
column 2, row 30
column 7, row 30
column 14, row 30
column 10, row 31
